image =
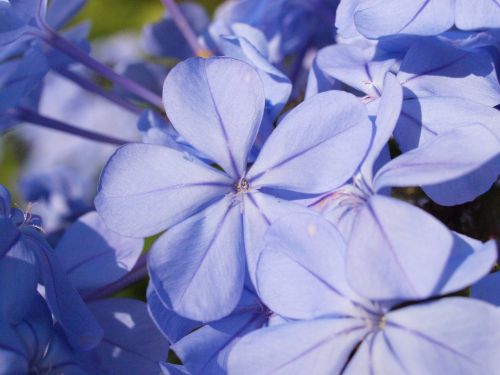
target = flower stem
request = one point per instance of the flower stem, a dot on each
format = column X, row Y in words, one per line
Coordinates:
column 27, row 115
column 96, row 89
column 186, row 29
column 60, row 43
column 138, row 272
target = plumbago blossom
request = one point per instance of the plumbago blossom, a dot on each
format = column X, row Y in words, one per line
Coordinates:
column 300, row 184
column 221, row 215
column 330, row 327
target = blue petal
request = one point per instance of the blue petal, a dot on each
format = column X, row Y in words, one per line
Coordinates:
column 435, row 68
column 260, row 210
column 170, row 369
column 4, row 201
column 15, row 18
column 306, row 347
column 354, row 66
column 377, row 18
column 444, row 337
column 469, row 261
column 277, row 86
column 68, row 308
column 37, row 329
column 315, row 133
column 405, row 256
column 172, row 325
column 19, row 77
column 9, row 235
column 220, row 110
column 13, row 358
column 304, row 255
column 423, row 119
column 389, row 109
column 480, row 14
column 488, row 289
column 451, row 155
column 205, row 350
column 60, row 12
column 145, row 189
column 198, row 266
column 20, row 265
column 92, row 256
column 131, row 344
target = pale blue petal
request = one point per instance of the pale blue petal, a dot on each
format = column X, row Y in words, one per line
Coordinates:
column 480, row 14
column 448, row 156
column 423, row 119
column 145, row 189
column 92, row 256
column 172, row 325
column 316, row 147
column 308, row 347
column 198, row 266
column 220, row 110
column 354, row 66
column 304, row 255
column 260, row 211
column 205, row 351
column 344, row 19
column 469, row 261
column 277, row 86
column 389, row 108
column 435, row 68
column 405, row 255
column 378, row 18
column 450, row 336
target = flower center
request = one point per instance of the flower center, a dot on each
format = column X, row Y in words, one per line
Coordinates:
column 242, row 186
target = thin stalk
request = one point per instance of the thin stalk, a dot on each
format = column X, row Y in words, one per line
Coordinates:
column 96, row 89
column 138, row 272
column 60, row 43
column 28, row 115
column 186, row 29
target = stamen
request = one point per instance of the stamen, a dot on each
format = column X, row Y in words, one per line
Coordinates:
column 242, row 186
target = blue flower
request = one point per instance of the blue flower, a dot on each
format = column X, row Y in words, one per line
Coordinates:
column 215, row 217
column 329, row 328
column 401, row 235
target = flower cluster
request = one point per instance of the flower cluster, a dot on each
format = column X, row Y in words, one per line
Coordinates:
column 264, row 154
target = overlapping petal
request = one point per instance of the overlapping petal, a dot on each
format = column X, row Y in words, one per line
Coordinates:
column 403, row 241
column 198, row 266
column 330, row 129
column 92, row 256
column 220, row 110
column 145, row 189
